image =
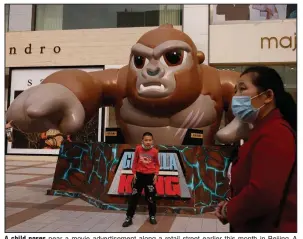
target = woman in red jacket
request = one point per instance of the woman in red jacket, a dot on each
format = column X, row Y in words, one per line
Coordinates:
column 264, row 177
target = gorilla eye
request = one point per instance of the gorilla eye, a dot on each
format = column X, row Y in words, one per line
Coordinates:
column 139, row 61
column 174, row 58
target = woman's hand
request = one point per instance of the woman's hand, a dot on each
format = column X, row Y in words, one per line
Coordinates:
column 218, row 212
column 219, row 209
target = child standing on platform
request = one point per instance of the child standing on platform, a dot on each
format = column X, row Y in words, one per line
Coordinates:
column 145, row 169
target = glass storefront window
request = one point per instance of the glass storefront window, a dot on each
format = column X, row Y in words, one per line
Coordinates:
column 73, row 16
column 6, row 16
column 290, row 77
column 236, row 13
column 112, row 123
column 288, row 74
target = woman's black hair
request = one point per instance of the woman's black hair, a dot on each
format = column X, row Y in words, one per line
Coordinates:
column 265, row 78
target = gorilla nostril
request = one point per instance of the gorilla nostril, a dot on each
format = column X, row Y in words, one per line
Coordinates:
column 153, row 72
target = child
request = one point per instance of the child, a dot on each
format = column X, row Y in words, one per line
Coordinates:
column 145, row 169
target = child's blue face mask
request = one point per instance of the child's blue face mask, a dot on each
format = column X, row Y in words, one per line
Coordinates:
column 243, row 109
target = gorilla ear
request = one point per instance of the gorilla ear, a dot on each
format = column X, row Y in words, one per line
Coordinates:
column 201, row 57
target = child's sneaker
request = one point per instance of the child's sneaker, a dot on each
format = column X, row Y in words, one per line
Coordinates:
column 152, row 220
column 128, row 221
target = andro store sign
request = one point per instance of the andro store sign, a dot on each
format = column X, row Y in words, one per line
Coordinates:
column 171, row 181
column 28, row 50
column 81, row 47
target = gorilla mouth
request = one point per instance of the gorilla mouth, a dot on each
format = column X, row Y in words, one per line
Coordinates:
column 152, row 86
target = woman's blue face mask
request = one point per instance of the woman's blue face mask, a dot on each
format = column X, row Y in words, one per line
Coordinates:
column 243, row 109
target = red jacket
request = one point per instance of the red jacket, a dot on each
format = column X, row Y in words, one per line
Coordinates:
column 259, row 177
column 146, row 161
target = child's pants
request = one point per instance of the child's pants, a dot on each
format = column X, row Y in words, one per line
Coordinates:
column 143, row 181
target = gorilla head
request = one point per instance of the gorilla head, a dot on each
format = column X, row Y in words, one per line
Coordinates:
column 164, row 71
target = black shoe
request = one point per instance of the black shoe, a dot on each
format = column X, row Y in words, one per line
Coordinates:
column 128, row 221
column 152, row 220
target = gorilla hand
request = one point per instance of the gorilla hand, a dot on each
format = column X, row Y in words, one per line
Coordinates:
column 233, row 132
column 47, row 106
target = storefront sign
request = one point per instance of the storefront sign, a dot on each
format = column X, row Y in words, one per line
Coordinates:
column 279, row 42
column 81, row 47
column 111, row 133
column 196, row 136
column 265, row 42
column 170, row 183
column 34, row 49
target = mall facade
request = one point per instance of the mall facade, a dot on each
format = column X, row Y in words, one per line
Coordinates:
column 42, row 39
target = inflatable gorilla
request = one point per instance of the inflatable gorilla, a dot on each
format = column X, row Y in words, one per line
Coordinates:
column 165, row 89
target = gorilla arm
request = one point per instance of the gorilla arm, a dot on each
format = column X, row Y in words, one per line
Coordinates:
column 234, row 129
column 93, row 89
column 65, row 100
column 212, row 87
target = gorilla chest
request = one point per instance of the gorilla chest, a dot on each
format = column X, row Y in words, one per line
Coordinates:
column 200, row 114
column 166, row 130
